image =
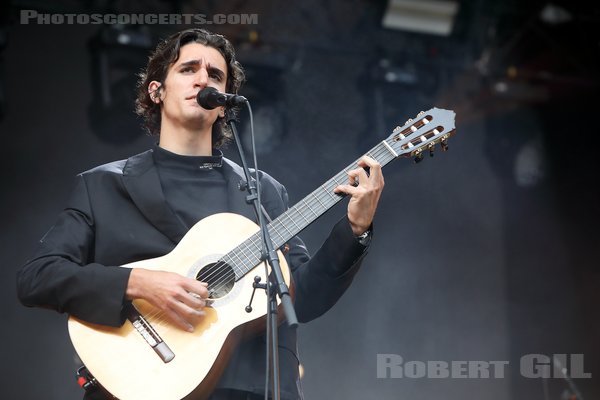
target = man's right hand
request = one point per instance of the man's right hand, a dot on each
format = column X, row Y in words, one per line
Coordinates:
column 181, row 299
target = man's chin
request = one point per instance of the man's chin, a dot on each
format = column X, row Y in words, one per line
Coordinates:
column 199, row 119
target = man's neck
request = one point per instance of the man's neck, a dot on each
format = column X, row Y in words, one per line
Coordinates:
column 186, row 142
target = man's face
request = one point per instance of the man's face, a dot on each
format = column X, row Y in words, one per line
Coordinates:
column 197, row 67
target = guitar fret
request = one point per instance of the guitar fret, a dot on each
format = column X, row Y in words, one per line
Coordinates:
column 309, row 207
column 250, row 250
column 234, row 261
column 293, row 221
column 281, row 224
column 322, row 205
column 242, row 252
column 331, row 193
column 328, row 193
column 302, row 215
column 275, row 231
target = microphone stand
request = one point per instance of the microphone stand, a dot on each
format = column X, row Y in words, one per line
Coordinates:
column 268, row 253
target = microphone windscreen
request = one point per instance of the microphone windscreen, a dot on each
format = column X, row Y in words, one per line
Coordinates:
column 204, row 97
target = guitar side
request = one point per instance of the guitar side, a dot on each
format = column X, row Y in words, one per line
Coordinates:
column 124, row 362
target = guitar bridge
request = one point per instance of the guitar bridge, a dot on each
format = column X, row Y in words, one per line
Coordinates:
column 149, row 334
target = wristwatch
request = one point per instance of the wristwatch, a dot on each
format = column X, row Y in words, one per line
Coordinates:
column 364, row 238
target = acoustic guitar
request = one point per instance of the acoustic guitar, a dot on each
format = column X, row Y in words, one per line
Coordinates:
column 148, row 358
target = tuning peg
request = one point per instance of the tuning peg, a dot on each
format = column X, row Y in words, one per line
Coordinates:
column 444, row 144
column 408, row 121
column 418, row 156
column 420, row 113
column 431, row 147
column 397, row 129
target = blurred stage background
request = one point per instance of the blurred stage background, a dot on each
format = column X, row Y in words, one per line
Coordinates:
column 485, row 252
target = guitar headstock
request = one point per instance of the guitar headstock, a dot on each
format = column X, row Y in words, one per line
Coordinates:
column 423, row 133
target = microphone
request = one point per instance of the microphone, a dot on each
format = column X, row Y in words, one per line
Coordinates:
column 210, row 98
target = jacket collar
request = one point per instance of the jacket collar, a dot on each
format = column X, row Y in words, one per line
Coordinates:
column 140, row 177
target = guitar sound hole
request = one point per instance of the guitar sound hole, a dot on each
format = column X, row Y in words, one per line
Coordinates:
column 220, row 278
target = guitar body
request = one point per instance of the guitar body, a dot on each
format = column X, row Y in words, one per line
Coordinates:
column 124, row 362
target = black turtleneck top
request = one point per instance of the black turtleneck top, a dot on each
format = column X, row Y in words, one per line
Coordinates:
column 194, row 186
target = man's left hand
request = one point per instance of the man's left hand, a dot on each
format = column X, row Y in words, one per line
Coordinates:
column 365, row 195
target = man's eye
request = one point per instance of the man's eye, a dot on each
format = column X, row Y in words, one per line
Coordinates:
column 216, row 77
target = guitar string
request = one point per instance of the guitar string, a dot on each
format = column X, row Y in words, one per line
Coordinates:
column 375, row 153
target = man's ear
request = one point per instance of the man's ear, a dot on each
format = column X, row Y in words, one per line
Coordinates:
column 154, row 90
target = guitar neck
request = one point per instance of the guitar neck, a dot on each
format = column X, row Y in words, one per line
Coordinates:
column 247, row 255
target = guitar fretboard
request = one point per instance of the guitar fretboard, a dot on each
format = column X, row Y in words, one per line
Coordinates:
column 247, row 255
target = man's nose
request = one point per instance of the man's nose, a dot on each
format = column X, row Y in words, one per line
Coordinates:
column 201, row 78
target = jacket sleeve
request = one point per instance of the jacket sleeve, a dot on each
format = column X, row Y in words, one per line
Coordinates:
column 61, row 274
column 321, row 280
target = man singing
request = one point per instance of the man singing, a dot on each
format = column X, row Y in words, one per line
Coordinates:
column 140, row 208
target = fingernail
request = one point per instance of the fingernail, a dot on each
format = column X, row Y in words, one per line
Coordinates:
column 190, row 329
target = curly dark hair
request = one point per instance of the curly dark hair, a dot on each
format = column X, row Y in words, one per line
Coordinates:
column 167, row 53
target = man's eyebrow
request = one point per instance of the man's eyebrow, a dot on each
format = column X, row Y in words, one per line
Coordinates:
column 216, row 70
column 196, row 63
column 190, row 63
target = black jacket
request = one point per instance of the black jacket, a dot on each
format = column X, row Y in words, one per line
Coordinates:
column 118, row 214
